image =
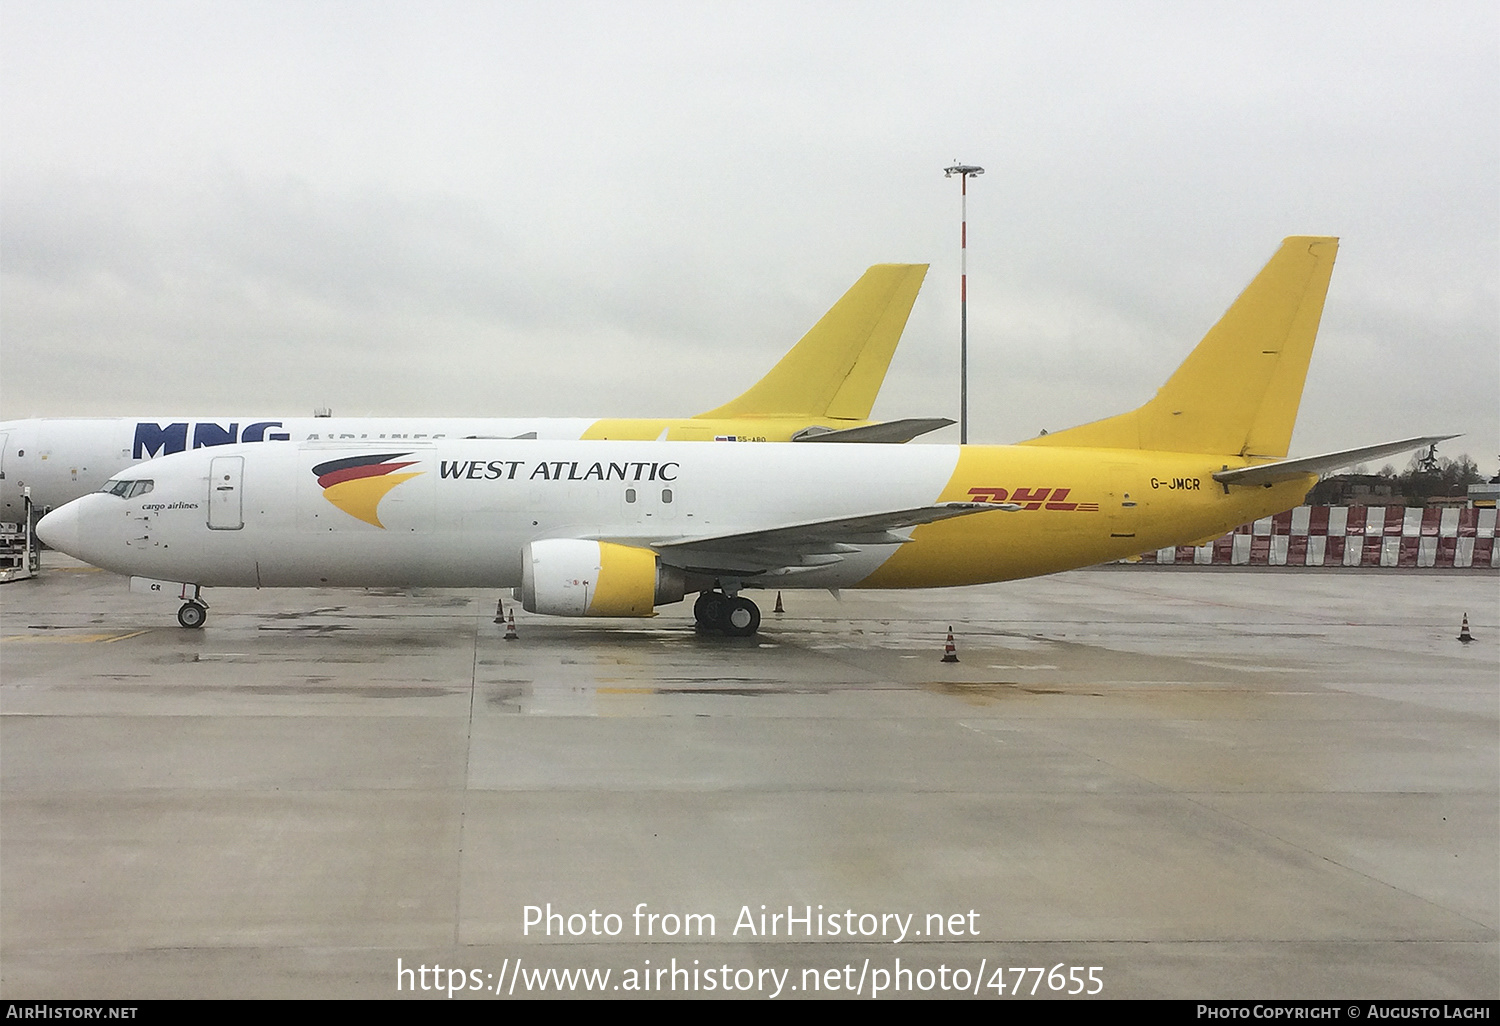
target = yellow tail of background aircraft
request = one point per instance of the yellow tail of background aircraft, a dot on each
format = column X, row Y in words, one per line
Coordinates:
column 615, row 528
column 825, row 387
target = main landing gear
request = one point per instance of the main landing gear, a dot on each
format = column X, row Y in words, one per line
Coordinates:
column 736, row 616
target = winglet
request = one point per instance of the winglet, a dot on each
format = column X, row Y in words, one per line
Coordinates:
column 839, row 366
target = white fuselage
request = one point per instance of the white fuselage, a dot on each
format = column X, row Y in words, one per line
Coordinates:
column 462, row 511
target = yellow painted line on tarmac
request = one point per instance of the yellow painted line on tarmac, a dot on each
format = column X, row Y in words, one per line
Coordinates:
column 74, row 570
column 63, row 639
column 73, row 639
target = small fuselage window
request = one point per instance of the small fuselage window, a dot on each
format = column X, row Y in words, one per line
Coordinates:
column 127, row 489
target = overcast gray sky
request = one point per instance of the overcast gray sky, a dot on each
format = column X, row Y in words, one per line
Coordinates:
column 633, row 209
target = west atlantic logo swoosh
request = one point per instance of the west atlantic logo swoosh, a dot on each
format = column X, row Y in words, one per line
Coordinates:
column 357, row 484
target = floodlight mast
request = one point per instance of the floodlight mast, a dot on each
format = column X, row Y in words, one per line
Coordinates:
column 964, row 172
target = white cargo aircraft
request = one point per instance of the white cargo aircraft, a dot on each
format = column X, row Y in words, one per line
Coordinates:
column 822, row 390
column 594, row 528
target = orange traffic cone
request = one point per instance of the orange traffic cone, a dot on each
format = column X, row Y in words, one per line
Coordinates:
column 500, row 611
column 778, row 608
column 510, row 627
column 1463, row 632
column 950, row 652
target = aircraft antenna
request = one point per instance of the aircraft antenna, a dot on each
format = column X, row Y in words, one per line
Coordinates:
column 964, row 172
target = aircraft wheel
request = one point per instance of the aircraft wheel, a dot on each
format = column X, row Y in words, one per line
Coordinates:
column 192, row 615
column 708, row 611
column 741, row 618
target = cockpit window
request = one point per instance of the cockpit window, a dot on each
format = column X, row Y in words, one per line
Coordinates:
column 127, row 489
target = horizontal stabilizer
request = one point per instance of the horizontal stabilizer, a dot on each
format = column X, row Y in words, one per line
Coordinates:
column 891, row 431
column 805, row 545
column 1286, row 470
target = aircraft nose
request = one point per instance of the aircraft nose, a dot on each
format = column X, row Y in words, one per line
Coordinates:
column 59, row 528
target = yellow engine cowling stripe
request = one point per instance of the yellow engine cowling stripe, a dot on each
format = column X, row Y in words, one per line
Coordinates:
column 626, row 585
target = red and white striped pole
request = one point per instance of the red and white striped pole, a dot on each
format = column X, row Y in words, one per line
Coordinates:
column 964, row 172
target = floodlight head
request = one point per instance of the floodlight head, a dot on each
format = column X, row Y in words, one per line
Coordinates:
column 962, row 169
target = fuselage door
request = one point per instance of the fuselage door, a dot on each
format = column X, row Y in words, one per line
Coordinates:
column 224, row 488
column 10, row 494
column 1124, row 500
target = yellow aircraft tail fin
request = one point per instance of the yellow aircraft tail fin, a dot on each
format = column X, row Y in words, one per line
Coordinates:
column 1237, row 393
column 838, row 367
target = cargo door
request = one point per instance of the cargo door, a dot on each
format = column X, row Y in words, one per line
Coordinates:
column 224, row 488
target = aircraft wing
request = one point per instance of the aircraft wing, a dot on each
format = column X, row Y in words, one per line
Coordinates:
column 805, row 546
column 1285, row 470
column 886, row 431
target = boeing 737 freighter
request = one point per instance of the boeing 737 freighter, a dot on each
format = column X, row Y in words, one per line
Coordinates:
column 822, row 390
column 596, row 528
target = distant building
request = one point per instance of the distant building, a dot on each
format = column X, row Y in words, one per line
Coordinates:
column 1483, row 496
column 1353, row 490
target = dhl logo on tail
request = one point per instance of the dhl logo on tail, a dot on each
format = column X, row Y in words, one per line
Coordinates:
column 357, row 484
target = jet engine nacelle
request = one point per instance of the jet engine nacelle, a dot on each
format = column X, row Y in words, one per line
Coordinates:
column 573, row 577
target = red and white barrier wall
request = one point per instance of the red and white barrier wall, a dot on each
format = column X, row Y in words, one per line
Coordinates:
column 1392, row 536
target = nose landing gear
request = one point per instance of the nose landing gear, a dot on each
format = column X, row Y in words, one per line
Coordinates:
column 194, row 610
column 192, row 614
